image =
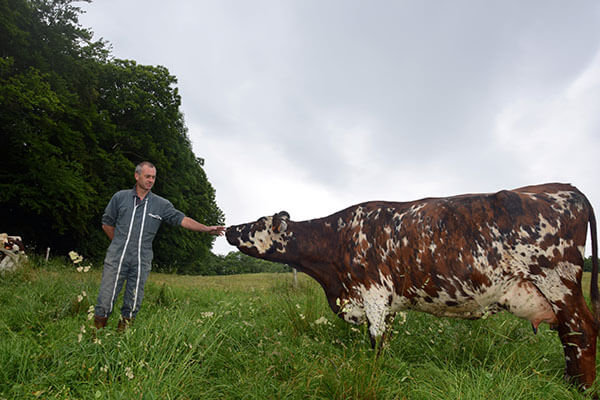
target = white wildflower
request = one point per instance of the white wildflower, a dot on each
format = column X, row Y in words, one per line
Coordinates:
column 79, row 298
column 322, row 321
column 79, row 269
column 79, row 337
column 104, row 369
column 207, row 314
column 302, row 316
column 76, row 258
column 402, row 318
column 129, row 373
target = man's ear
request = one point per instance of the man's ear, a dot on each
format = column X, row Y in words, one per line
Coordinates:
column 280, row 222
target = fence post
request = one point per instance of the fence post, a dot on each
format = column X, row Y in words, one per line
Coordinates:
column 295, row 278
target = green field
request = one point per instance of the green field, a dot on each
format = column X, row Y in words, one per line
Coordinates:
column 254, row 337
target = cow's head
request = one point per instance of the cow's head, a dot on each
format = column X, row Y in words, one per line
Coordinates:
column 263, row 238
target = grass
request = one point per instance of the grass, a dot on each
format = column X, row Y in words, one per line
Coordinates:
column 254, row 337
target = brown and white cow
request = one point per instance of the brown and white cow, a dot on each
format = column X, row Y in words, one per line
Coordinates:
column 465, row 256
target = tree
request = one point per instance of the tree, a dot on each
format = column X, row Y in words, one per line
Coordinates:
column 75, row 122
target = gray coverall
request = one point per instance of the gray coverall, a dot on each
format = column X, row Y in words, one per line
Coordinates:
column 129, row 256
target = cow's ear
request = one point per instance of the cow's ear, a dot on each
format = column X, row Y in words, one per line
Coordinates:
column 280, row 222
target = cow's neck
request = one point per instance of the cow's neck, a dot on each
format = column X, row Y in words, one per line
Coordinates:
column 312, row 252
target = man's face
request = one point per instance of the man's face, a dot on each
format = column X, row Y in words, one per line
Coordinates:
column 145, row 179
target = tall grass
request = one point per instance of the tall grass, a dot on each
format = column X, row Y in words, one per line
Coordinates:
column 254, row 337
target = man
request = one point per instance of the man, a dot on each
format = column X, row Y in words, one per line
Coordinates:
column 131, row 221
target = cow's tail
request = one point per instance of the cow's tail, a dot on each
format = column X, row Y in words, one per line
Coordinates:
column 594, row 295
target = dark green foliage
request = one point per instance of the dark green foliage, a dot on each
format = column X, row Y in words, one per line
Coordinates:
column 74, row 123
column 233, row 263
column 587, row 264
column 238, row 263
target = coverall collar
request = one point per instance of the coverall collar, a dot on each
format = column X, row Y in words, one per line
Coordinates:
column 137, row 198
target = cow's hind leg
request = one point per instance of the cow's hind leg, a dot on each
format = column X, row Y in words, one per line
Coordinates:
column 577, row 330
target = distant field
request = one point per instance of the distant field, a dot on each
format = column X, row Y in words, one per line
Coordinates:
column 255, row 337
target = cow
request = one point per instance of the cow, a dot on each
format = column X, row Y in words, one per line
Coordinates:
column 464, row 256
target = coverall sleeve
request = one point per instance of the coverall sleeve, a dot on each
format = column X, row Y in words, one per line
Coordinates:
column 172, row 215
column 111, row 212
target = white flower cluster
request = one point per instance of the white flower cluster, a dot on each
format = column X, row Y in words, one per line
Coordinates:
column 81, row 296
column 77, row 259
column 81, row 332
column 322, row 321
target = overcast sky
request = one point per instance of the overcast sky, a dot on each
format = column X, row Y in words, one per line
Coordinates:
column 313, row 106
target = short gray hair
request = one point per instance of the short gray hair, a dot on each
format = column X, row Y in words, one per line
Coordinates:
column 138, row 168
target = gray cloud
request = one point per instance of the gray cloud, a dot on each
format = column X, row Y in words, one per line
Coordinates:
column 326, row 103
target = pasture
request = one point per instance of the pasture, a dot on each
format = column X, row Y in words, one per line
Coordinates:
column 254, row 336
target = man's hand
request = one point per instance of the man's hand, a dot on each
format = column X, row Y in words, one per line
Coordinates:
column 193, row 225
column 216, row 230
column 109, row 230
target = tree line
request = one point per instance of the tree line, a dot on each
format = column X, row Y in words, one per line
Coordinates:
column 74, row 123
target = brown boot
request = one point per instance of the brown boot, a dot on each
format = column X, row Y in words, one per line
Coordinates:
column 124, row 323
column 100, row 322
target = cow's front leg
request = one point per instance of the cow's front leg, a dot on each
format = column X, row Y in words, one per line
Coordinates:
column 578, row 331
column 378, row 317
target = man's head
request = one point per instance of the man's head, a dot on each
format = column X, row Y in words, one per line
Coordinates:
column 145, row 175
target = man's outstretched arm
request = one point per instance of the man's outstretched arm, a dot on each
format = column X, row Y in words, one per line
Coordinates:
column 193, row 225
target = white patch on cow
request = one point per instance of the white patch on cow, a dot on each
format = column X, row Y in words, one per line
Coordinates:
column 523, row 234
column 432, row 247
column 405, row 241
column 327, row 224
column 551, row 284
column 494, row 232
column 416, row 208
column 473, row 304
column 264, row 239
column 372, row 304
column 525, row 301
column 341, row 224
column 375, row 212
column 560, row 200
column 398, row 219
column 363, row 238
column 358, row 217
column 568, row 271
column 545, row 228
